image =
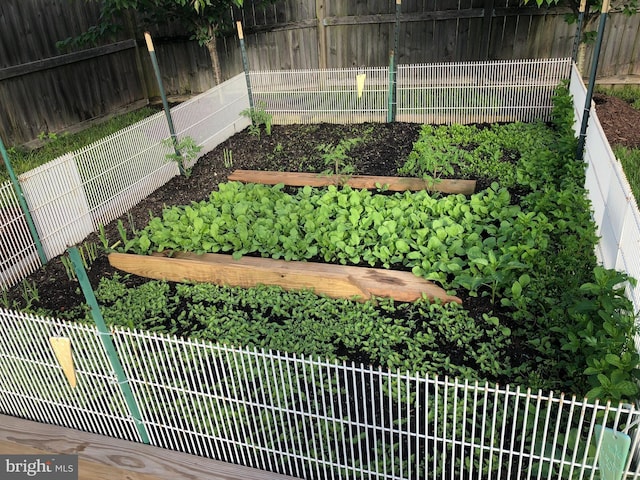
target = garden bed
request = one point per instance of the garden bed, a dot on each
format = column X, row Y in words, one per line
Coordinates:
column 517, row 253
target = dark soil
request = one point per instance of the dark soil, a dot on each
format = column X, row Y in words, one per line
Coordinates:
column 288, row 148
column 619, row 120
column 292, row 148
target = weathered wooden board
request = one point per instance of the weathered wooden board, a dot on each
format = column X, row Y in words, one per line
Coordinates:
column 105, row 458
column 394, row 184
column 336, row 281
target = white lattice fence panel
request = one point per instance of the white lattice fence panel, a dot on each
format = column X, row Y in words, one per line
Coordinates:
column 18, row 254
column 123, row 168
column 57, row 204
column 212, row 117
column 316, row 419
column 33, row 385
column 327, row 95
column 479, row 92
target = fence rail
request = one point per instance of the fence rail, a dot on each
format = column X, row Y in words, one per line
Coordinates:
column 445, row 93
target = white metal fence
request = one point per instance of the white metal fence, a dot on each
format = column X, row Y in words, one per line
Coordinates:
column 444, row 93
column 615, row 210
column 306, row 417
column 72, row 195
column 18, row 254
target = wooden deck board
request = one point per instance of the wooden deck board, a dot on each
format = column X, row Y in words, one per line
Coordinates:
column 336, row 281
column 105, row 458
column 393, row 184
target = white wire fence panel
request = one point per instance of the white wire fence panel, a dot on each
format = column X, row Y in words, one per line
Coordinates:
column 579, row 93
column 212, row 117
column 58, row 204
column 479, row 92
column 33, row 386
column 322, row 96
column 315, row 419
column 615, row 209
column 619, row 217
column 126, row 167
column 18, row 253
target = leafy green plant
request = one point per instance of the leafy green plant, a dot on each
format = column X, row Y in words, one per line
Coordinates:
column 106, row 245
column 258, row 116
column 30, row 294
column 5, row 301
column 185, row 150
column 602, row 333
column 336, row 156
column 88, row 253
column 127, row 243
column 45, row 136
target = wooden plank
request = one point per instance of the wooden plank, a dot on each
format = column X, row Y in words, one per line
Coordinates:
column 105, row 458
column 60, row 60
column 394, row 184
column 335, row 281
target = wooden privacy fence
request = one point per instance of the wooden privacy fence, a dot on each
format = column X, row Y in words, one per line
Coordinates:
column 306, row 417
column 76, row 88
column 469, row 92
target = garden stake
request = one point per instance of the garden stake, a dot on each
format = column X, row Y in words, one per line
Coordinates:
column 576, row 40
column 592, row 81
column 165, row 103
column 23, row 204
column 107, row 342
column 245, row 64
column 391, row 108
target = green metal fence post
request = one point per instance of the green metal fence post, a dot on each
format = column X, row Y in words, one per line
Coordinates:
column 393, row 74
column 165, row 103
column 107, row 342
column 592, row 81
column 245, row 64
column 23, row 204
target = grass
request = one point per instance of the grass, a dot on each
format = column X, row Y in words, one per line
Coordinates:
column 629, row 157
column 23, row 159
column 630, row 160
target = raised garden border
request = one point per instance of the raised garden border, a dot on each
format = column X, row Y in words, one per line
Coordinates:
column 335, row 281
column 393, row 184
